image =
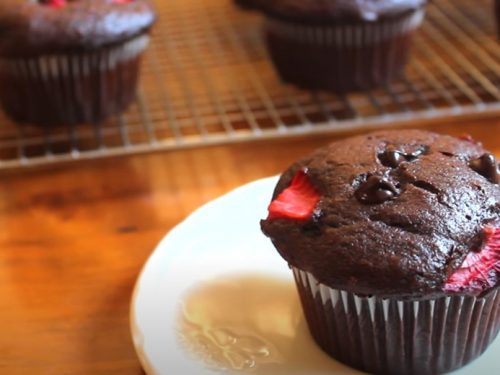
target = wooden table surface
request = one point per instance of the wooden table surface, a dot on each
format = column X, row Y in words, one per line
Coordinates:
column 74, row 237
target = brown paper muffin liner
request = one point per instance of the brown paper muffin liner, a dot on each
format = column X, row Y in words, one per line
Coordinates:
column 392, row 336
column 342, row 57
column 72, row 88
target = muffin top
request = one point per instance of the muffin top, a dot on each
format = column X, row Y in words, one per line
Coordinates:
column 319, row 11
column 392, row 214
column 34, row 27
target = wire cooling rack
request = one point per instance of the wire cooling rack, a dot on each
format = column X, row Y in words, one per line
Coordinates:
column 207, row 79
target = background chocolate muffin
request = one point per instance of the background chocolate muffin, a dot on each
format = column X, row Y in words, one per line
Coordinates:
column 339, row 45
column 68, row 62
column 394, row 238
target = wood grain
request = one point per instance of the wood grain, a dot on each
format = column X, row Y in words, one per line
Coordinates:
column 74, row 238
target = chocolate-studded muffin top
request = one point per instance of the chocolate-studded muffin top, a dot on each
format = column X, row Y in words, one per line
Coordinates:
column 316, row 11
column 33, row 27
column 391, row 213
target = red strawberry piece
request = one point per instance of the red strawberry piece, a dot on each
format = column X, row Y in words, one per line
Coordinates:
column 297, row 201
column 480, row 269
column 466, row 137
column 55, row 3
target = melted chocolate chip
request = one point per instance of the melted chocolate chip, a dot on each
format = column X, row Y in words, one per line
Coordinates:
column 487, row 166
column 420, row 150
column 393, row 157
column 376, row 190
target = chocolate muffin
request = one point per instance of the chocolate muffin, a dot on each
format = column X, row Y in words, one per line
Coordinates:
column 339, row 45
column 394, row 241
column 70, row 61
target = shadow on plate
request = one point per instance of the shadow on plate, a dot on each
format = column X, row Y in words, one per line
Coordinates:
column 251, row 324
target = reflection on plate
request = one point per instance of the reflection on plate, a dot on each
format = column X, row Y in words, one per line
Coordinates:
column 251, row 323
column 216, row 297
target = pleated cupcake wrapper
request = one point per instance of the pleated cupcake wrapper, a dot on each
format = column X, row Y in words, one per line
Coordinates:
column 355, row 35
column 343, row 57
column 396, row 336
column 82, row 64
column 71, row 88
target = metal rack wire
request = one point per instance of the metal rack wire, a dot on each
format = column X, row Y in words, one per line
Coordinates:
column 207, row 79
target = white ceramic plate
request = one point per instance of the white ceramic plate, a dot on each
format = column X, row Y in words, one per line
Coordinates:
column 216, row 297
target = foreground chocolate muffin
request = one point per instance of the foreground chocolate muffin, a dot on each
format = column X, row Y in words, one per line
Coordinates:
column 339, row 45
column 394, row 241
column 68, row 62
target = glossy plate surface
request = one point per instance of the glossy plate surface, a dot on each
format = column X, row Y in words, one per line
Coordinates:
column 216, row 297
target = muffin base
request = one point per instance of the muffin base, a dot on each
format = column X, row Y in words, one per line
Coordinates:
column 341, row 58
column 392, row 336
column 72, row 88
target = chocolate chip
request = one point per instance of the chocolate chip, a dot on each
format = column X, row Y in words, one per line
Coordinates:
column 376, row 190
column 391, row 158
column 487, row 166
column 420, row 150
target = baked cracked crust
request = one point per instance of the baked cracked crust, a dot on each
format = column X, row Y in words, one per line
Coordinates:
column 398, row 212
